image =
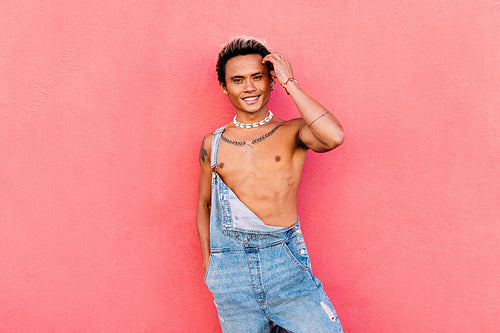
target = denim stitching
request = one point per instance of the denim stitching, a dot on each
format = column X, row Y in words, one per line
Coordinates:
column 290, row 254
column 248, row 247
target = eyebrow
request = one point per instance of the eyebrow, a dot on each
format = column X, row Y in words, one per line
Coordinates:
column 241, row 76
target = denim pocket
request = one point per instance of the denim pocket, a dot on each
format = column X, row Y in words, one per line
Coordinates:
column 296, row 249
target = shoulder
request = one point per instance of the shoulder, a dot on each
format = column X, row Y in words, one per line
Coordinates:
column 291, row 123
column 290, row 129
column 295, row 126
column 207, row 141
column 207, row 138
column 206, row 145
column 295, row 123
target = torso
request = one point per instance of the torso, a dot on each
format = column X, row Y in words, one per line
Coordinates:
column 266, row 177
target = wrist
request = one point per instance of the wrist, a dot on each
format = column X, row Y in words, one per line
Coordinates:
column 287, row 82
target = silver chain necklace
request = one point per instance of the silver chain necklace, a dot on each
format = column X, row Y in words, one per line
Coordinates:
column 260, row 123
column 248, row 146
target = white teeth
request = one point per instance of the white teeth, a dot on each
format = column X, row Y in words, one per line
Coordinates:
column 250, row 99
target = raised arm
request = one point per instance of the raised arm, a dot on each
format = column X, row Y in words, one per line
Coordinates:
column 204, row 200
column 320, row 130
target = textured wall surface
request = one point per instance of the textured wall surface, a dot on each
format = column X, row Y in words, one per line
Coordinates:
column 103, row 105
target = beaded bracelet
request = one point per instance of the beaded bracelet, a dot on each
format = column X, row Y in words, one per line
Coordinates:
column 286, row 83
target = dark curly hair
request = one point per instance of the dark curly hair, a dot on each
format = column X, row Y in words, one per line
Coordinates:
column 239, row 46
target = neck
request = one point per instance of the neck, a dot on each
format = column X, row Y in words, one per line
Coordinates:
column 247, row 117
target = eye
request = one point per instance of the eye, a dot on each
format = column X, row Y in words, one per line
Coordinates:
column 237, row 80
column 258, row 77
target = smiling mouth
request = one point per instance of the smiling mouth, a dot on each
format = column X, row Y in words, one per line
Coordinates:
column 251, row 99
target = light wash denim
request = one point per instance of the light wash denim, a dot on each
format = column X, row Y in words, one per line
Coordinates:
column 260, row 274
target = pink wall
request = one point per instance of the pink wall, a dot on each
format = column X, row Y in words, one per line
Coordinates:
column 102, row 109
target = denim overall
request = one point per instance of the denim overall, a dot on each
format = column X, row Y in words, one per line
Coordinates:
column 260, row 274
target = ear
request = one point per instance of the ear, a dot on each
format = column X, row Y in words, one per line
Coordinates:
column 272, row 74
column 223, row 87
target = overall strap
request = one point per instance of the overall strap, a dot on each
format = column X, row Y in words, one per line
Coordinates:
column 215, row 147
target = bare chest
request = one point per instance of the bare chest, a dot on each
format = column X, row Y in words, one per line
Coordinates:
column 262, row 158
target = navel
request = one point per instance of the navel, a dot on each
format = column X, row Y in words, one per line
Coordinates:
column 221, row 165
column 277, row 158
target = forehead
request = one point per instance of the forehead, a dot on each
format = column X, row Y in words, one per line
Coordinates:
column 244, row 65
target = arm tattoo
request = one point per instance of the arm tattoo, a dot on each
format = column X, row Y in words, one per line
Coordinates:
column 203, row 152
column 312, row 122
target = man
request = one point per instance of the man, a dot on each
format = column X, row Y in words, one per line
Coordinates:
column 256, row 262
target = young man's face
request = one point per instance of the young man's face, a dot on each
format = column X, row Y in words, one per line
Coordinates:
column 247, row 83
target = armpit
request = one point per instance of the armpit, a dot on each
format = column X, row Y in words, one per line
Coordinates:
column 301, row 144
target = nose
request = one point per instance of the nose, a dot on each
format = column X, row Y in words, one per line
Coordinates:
column 249, row 86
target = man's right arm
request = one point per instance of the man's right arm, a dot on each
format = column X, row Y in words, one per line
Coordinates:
column 204, row 200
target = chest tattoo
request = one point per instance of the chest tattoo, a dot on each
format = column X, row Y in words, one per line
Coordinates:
column 254, row 141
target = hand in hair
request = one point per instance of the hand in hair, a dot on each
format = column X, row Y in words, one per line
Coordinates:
column 282, row 68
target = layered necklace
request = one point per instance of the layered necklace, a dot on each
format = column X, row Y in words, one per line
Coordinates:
column 248, row 146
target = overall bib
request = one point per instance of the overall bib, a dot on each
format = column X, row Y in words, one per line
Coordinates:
column 260, row 274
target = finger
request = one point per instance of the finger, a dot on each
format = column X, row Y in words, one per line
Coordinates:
column 267, row 58
column 274, row 56
column 271, row 60
column 280, row 57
